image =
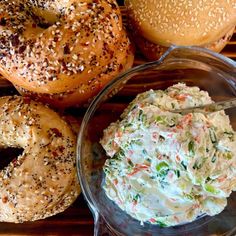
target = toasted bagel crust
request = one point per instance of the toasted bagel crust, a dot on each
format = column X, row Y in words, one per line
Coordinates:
column 154, row 51
column 188, row 22
column 53, row 47
column 85, row 92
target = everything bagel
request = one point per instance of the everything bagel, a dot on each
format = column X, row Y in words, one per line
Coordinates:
column 80, row 95
column 55, row 46
column 42, row 180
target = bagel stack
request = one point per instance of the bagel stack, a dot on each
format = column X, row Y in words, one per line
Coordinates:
column 62, row 52
column 155, row 25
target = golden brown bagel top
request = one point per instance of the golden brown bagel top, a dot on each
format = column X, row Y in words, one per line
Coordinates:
column 185, row 22
column 52, row 46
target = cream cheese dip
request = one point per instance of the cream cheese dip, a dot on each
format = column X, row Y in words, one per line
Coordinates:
column 166, row 168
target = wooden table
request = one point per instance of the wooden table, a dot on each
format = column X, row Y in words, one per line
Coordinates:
column 77, row 220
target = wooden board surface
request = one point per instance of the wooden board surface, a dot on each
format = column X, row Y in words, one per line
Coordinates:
column 77, row 219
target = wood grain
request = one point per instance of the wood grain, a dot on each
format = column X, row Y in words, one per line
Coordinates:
column 76, row 220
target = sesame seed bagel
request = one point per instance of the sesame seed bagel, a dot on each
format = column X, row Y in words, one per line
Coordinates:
column 84, row 92
column 42, row 180
column 187, row 22
column 52, row 46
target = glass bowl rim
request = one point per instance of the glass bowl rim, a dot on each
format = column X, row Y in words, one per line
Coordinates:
column 91, row 108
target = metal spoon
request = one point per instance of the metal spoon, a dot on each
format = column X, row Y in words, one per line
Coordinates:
column 209, row 108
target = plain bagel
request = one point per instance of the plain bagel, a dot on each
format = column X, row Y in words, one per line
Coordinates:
column 42, row 180
column 158, row 24
column 154, row 51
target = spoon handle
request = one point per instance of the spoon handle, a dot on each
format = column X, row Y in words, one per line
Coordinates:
column 213, row 107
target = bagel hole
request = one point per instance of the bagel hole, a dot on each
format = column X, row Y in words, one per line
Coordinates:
column 8, row 155
column 43, row 18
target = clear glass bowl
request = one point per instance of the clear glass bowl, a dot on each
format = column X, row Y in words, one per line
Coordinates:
column 194, row 66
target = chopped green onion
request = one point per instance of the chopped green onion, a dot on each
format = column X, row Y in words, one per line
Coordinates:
column 137, row 197
column 199, row 180
column 177, row 172
column 130, row 163
column 183, row 164
column 127, row 125
column 209, row 188
column 160, row 119
column 188, row 196
column 106, row 170
column 133, row 107
column 144, row 118
column 213, row 159
column 163, row 173
column 212, row 136
column 161, row 224
column 122, row 153
column 144, row 152
column 229, row 133
column 140, row 115
column 228, row 155
column 172, row 122
column 208, row 179
column 191, row 148
column 198, row 164
column 161, row 165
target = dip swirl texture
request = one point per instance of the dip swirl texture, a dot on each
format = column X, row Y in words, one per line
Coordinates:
column 167, row 168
